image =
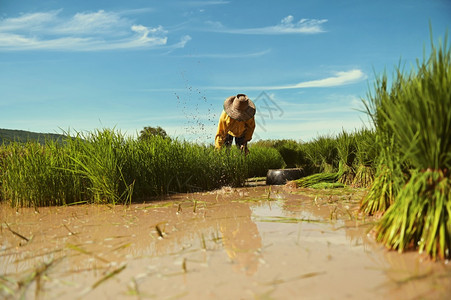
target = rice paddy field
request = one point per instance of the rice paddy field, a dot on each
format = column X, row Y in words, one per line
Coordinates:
column 102, row 215
column 256, row 242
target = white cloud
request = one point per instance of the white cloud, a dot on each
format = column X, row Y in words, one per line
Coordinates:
column 214, row 24
column 230, row 55
column 92, row 23
column 86, row 31
column 183, row 40
column 339, row 79
column 286, row 26
column 34, row 21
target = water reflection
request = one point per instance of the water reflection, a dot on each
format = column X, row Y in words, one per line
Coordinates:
column 241, row 238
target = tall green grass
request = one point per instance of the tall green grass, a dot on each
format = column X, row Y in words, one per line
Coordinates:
column 322, row 154
column 415, row 117
column 260, row 159
column 105, row 166
column 346, row 149
column 389, row 177
column 35, row 175
column 365, row 158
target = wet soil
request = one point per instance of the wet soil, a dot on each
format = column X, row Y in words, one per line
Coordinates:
column 258, row 242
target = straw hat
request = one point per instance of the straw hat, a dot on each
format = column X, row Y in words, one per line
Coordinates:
column 239, row 107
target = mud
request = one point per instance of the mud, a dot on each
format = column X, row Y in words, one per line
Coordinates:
column 257, row 242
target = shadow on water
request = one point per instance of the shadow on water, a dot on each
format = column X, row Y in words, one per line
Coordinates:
column 256, row 242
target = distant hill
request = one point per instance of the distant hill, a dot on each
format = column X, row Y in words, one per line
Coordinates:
column 11, row 135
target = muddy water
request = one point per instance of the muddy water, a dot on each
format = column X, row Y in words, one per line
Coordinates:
column 251, row 243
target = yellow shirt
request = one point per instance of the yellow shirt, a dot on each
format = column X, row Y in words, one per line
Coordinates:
column 236, row 128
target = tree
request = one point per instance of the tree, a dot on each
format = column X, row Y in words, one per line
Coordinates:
column 149, row 132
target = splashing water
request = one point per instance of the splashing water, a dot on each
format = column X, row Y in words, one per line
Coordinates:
column 200, row 115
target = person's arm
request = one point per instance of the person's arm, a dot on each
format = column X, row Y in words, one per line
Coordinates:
column 222, row 131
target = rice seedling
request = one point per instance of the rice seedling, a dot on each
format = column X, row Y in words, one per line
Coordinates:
column 364, row 176
column 346, row 149
column 418, row 116
column 97, row 159
column 323, row 154
column 83, row 251
column 289, row 150
column 260, row 159
column 420, row 216
column 388, row 180
column 327, row 185
column 108, row 276
column 36, row 276
column 294, row 278
column 314, row 179
column 133, row 289
column 366, row 153
column 7, row 287
column 17, row 234
column 69, row 230
column 30, row 175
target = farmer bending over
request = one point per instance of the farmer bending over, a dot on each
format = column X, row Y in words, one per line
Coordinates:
column 236, row 121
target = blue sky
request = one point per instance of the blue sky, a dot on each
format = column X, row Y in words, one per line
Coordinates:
column 85, row 65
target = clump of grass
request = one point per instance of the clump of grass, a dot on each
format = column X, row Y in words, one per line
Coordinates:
column 97, row 158
column 346, row 149
column 35, row 175
column 417, row 115
column 421, row 216
column 327, row 185
column 364, row 177
column 388, row 180
column 4, row 152
column 289, row 150
column 322, row 154
column 318, row 178
column 261, row 159
column 366, row 153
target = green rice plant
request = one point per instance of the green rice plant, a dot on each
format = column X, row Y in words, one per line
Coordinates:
column 327, row 185
column 104, row 166
column 315, row 179
column 230, row 165
column 346, row 147
column 34, row 175
column 137, row 168
column 388, row 180
column 159, row 166
column 420, row 216
column 96, row 157
column 346, row 150
column 366, row 156
column 366, row 147
column 304, row 161
column 388, row 175
column 261, row 159
column 382, row 192
column 364, row 177
column 289, row 150
column 418, row 116
column 3, row 156
column 323, row 154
